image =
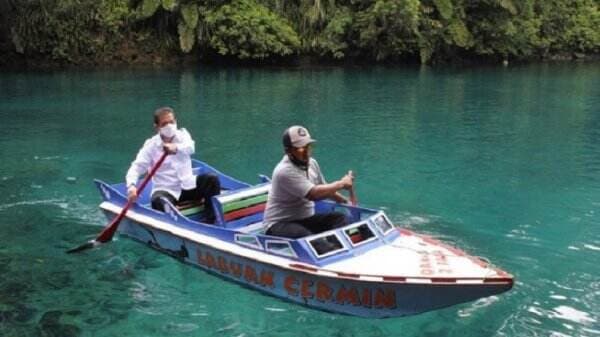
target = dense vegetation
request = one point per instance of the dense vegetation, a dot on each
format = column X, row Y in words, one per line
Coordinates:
column 427, row 31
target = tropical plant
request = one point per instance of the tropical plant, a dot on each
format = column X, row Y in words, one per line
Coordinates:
column 69, row 30
column 335, row 38
column 248, row 30
column 83, row 31
column 442, row 30
column 388, row 28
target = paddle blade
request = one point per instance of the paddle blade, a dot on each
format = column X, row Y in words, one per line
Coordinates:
column 88, row 245
column 104, row 236
column 109, row 231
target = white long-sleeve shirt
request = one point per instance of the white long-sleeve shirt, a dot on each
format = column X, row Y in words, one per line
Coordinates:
column 175, row 173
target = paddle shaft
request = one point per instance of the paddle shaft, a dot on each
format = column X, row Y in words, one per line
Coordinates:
column 353, row 200
column 109, row 231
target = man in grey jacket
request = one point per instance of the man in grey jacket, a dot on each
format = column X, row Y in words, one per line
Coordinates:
column 297, row 182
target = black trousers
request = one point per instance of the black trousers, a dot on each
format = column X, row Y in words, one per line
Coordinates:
column 312, row 225
column 207, row 185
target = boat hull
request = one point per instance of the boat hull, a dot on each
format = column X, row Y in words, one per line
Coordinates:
column 347, row 294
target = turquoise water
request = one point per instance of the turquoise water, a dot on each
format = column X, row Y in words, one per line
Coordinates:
column 502, row 162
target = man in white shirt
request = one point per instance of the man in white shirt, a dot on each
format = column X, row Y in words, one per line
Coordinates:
column 173, row 180
column 297, row 182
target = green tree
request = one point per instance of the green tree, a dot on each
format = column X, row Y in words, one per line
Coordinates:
column 388, row 28
column 248, row 30
column 503, row 27
column 69, row 30
column 442, row 30
column 85, row 31
column 569, row 25
column 335, row 38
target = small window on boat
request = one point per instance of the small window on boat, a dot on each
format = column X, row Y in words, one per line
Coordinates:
column 359, row 234
column 383, row 223
column 326, row 245
column 248, row 240
column 281, row 248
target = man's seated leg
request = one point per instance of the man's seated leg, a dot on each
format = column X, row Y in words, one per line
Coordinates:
column 322, row 222
column 157, row 202
column 290, row 230
column 309, row 226
column 207, row 186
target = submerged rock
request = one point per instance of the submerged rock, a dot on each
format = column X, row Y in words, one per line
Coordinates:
column 51, row 326
column 13, row 292
column 50, row 318
column 59, row 280
column 20, row 314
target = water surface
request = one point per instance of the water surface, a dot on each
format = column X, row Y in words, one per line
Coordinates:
column 502, row 162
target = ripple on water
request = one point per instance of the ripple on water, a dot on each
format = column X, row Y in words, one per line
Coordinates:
column 591, row 247
column 570, row 309
column 571, row 314
column 477, row 305
column 274, row 309
column 558, row 297
column 592, row 331
column 411, row 220
column 180, row 327
column 31, row 203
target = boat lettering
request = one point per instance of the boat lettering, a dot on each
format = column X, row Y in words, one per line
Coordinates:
column 235, row 269
column 434, row 262
column 223, row 265
column 290, row 285
column 263, row 278
column 250, row 275
column 266, row 279
column 305, row 288
column 323, row 292
column 347, row 296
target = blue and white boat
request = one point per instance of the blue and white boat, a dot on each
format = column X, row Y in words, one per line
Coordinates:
column 370, row 268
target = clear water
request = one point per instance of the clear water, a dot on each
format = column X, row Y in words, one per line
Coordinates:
column 502, row 162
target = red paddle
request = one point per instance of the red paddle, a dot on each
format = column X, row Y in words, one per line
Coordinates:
column 109, row 231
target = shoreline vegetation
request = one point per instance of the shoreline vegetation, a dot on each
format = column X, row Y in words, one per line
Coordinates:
column 89, row 33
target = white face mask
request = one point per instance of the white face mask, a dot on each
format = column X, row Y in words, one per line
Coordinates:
column 168, row 131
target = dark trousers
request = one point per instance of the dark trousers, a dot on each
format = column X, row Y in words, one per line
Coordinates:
column 312, row 225
column 207, row 185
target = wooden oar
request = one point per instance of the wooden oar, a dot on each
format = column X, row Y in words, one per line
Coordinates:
column 353, row 200
column 355, row 212
column 109, row 231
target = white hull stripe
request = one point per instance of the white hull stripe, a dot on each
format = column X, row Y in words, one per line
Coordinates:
column 398, row 279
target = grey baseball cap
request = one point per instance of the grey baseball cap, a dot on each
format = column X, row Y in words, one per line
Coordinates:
column 296, row 136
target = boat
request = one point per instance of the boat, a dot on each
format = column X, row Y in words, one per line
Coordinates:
column 369, row 268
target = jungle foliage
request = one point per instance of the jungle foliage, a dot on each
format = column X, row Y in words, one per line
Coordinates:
column 92, row 31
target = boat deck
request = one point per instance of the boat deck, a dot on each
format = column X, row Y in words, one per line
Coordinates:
column 415, row 256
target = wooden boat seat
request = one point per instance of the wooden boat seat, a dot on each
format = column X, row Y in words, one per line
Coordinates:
column 241, row 207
